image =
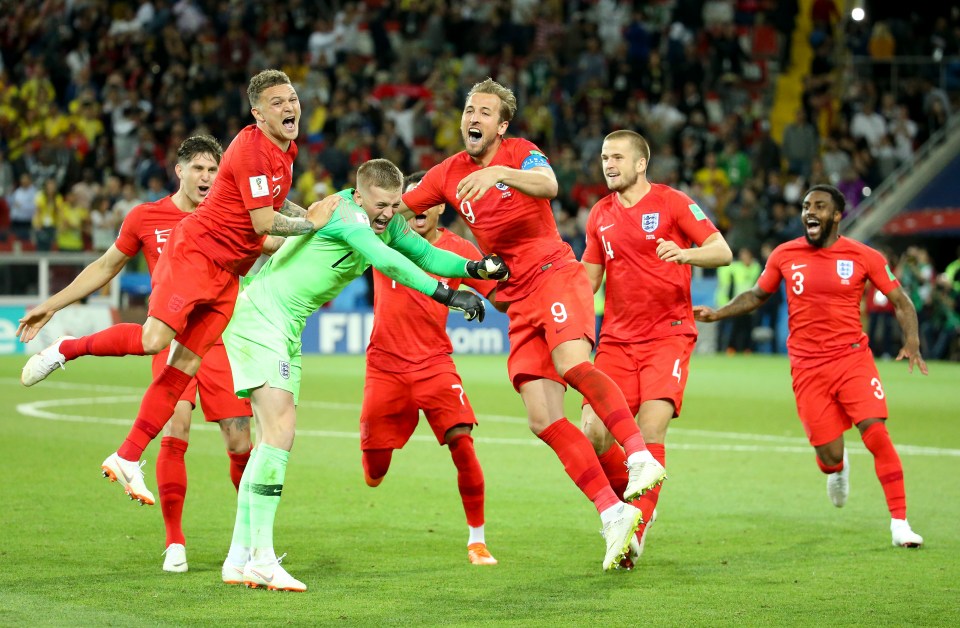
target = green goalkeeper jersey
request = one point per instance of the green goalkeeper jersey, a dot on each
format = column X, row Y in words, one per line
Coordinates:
column 310, row 270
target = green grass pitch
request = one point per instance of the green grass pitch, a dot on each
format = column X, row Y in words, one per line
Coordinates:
column 745, row 533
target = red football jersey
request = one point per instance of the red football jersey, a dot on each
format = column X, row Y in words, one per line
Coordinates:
column 824, row 289
column 147, row 227
column 519, row 228
column 646, row 298
column 254, row 173
column 410, row 328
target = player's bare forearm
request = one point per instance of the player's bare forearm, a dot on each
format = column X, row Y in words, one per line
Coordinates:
column 714, row 252
column 536, row 182
column 291, row 209
column 288, row 226
column 744, row 303
column 909, row 326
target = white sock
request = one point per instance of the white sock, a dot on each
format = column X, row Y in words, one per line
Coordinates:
column 476, row 535
column 640, row 456
column 263, row 555
column 612, row 512
column 238, row 555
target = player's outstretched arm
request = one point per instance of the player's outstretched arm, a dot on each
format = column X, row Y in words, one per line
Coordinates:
column 440, row 262
column 907, row 317
column 92, row 278
column 539, row 182
column 712, row 253
column 743, row 303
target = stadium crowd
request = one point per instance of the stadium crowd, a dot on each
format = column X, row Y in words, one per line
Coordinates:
column 95, row 96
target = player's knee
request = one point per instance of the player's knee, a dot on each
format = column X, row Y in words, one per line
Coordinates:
column 454, row 434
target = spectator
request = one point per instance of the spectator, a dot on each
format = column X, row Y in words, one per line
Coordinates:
column 73, row 221
column 50, row 206
column 800, row 144
column 104, row 225
column 23, row 208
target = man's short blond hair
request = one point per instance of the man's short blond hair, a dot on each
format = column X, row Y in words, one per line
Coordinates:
column 508, row 102
column 639, row 143
column 379, row 173
column 264, row 81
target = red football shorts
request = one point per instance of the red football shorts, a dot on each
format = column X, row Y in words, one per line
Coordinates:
column 560, row 309
column 655, row 369
column 192, row 294
column 214, row 382
column 837, row 395
column 392, row 404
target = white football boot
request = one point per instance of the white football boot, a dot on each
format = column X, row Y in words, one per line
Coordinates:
column 903, row 535
column 175, row 558
column 619, row 527
column 130, row 476
column 42, row 364
column 838, row 484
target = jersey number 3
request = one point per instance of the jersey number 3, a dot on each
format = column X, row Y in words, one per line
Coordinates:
column 797, row 282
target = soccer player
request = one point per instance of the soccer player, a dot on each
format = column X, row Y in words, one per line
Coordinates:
column 409, row 369
column 147, row 228
column 263, row 339
column 502, row 188
column 835, row 379
column 642, row 236
column 195, row 283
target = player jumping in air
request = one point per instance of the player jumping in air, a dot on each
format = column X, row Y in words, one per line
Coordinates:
column 195, row 283
column 502, row 188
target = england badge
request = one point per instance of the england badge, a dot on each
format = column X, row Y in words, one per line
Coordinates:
column 650, row 222
column 845, row 268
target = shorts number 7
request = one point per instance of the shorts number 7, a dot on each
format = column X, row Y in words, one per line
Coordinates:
column 460, row 388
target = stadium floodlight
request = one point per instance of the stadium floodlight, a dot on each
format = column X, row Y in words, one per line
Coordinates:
column 857, row 12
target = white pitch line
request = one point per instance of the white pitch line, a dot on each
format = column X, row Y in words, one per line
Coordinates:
column 39, row 410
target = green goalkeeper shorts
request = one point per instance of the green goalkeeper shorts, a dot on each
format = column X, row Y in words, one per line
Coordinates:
column 260, row 353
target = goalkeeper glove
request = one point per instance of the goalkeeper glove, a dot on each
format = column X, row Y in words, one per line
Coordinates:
column 489, row 267
column 463, row 300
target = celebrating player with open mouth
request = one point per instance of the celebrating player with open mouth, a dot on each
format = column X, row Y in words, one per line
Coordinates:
column 835, row 379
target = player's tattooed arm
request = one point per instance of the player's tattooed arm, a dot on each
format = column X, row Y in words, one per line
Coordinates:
column 289, row 226
column 291, row 209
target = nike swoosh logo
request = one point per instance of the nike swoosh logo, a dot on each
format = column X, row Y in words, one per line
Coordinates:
column 796, row 266
column 605, row 227
column 180, row 564
column 123, row 473
column 276, row 178
column 262, row 577
column 160, row 232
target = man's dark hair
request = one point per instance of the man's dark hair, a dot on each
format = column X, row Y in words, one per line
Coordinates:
column 839, row 200
column 199, row 145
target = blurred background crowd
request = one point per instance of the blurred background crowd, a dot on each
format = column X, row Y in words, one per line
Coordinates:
column 95, row 97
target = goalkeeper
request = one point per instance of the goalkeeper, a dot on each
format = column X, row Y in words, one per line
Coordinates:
column 264, row 346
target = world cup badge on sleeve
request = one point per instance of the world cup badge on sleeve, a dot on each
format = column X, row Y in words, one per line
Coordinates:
column 845, row 268
column 650, row 222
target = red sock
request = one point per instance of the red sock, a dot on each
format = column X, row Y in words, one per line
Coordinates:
column 120, row 339
column 172, row 486
column 156, row 408
column 829, row 468
column 238, row 462
column 888, row 467
column 580, row 462
column 614, row 464
column 376, row 462
column 608, row 402
column 469, row 478
column 648, row 501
